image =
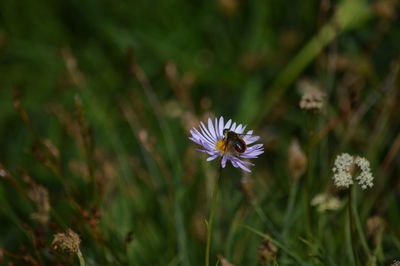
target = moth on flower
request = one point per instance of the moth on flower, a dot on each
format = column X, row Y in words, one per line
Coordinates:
column 227, row 140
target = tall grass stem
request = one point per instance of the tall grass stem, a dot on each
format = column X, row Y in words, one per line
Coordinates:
column 310, row 127
column 360, row 231
column 81, row 259
column 211, row 217
column 352, row 229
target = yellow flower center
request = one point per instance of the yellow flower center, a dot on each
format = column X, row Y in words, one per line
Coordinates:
column 220, row 146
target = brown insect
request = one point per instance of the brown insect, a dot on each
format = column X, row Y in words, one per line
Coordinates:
column 234, row 142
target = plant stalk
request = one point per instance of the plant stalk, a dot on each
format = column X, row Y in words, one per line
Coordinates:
column 210, row 218
column 81, row 259
column 352, row 229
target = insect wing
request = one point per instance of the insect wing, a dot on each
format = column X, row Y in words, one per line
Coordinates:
column 239, row 145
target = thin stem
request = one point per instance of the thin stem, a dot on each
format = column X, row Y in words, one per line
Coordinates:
column 288, row 220
column 264, row 218
column 360, row 231
column 289, row 209
column 210, row 218
column 342, row 21
column 81, row 259
column 306, row 191
column 352, row 229
column 280, row 245
column 310, row 127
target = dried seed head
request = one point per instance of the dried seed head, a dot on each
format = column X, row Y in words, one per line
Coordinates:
column 386, row 9
column 229, row 7
column 224, row 262
column 325, row 202
column 197, row 225
column 267, row 251
column 246, row 184
column 297, row 162
column 375, row 227
column 173, row 108
column 67, row 242
column 40, row 196
column 3, row 172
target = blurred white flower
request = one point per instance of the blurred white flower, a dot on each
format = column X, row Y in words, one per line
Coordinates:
column 342, row 171
column 325, row 202
column 297, row 161
column 365, row 178
column 312, row 96
column 395, row 263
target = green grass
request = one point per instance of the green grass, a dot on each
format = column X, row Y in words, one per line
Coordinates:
column 97, row 99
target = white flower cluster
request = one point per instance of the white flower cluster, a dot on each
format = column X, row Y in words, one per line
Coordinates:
column 312, row 100
column 395, row 263
column 325, row 202
column 365, row 178
column 342, row 171
column 313, row 97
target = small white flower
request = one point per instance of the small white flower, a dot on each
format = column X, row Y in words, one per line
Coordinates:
column 312, row 96
column 365, row 178
column 325, row 202
column 342, row 171
column 395, row 263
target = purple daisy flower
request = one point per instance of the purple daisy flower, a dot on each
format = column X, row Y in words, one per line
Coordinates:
column 215, row 142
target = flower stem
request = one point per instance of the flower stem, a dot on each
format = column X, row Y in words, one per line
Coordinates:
column 210, row 218
column 81, row 259
column 264, row 218
column 307, row 190
column 310, row 126
column 359, row 228
column 288, row 221
column 352, row 229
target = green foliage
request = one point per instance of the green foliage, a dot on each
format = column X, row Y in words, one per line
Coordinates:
column 97, row 99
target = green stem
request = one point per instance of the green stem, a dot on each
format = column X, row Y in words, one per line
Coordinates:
column 280, row 245
column 344, row 19
column 288, row 218
column 310, row 126
column 287, row 221
column 81, row 259
column 264, row 218
column 352, row 230
column 307, row 200
column 210, row 218
column 360, row 231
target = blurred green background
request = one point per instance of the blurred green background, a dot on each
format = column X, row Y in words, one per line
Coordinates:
column 97, row 99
